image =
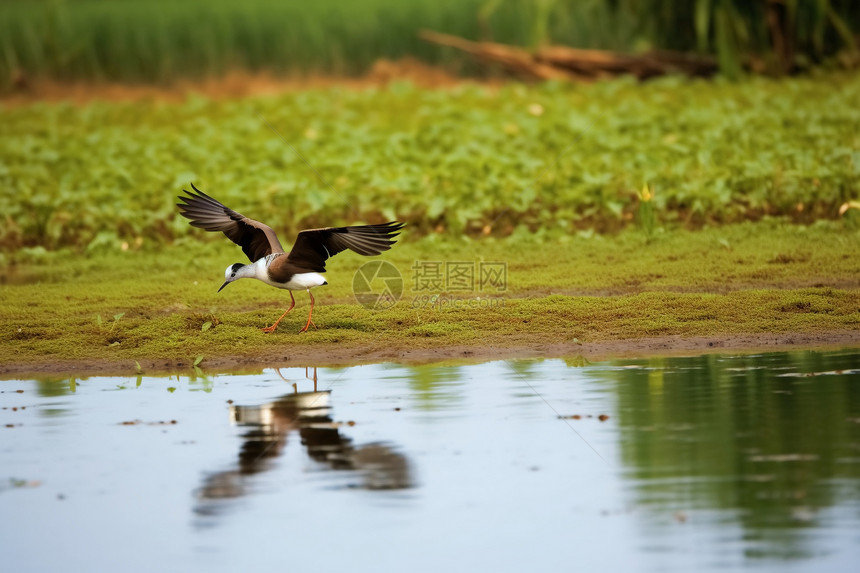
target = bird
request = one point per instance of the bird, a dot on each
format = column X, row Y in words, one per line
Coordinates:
column 297, row 270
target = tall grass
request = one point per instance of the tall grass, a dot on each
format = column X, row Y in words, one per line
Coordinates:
column 782, row 34
column 162, row 40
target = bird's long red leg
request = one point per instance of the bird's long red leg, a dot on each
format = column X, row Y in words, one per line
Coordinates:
column 274, row 326
column 310, row 314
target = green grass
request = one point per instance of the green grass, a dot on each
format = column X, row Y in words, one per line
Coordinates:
column 153, row 307
column 552, row 159
column 160, row 40
column 164, row 40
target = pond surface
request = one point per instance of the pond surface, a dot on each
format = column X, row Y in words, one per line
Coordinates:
column 707, row 463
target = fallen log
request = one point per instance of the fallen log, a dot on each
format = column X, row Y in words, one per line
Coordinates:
column 510, row 57
column 562, row 62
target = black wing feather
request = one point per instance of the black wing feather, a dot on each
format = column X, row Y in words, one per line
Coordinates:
column 314, row 246
column 256, row 239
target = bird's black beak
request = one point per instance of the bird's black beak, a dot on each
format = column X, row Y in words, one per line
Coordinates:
column 223, row 285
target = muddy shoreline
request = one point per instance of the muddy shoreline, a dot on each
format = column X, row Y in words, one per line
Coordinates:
column 328, row 356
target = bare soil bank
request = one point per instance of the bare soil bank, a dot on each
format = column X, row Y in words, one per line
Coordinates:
column 519, row 349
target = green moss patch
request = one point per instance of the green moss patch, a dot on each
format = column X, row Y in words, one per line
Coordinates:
column 162, row 307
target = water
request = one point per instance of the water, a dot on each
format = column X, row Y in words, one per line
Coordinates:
column 709, row 463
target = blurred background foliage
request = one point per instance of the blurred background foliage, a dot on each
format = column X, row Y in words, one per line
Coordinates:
column 554, row 158
column 166, row 40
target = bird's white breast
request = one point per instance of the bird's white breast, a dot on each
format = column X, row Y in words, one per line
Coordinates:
column 304, row 281
column 300, row 281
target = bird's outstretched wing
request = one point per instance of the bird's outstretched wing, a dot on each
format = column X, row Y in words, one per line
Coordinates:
column 256, row 239
column 314, row 246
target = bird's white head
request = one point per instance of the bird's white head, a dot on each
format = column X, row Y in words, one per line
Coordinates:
column 234, row 272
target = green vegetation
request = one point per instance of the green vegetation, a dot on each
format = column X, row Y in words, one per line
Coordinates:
column 160, row 308
column 779, row 35
column 553, row 159
column 162, row 40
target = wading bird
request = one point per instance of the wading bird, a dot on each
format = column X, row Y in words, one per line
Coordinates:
column 297, row 270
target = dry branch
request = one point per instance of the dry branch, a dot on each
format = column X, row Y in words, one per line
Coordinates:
column 561, row 62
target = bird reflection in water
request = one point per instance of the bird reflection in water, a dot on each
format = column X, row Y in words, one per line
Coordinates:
column 308, row 413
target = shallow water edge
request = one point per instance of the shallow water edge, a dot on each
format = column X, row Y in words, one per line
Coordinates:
column 711, row 463
column 328, row 355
